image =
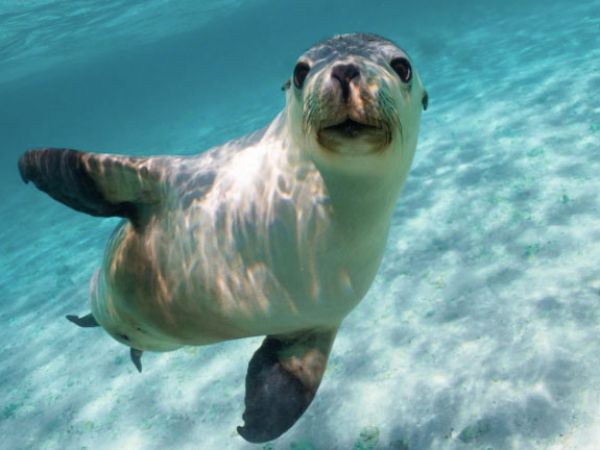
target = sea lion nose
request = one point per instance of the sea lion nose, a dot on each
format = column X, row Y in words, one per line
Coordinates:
column 345, row 73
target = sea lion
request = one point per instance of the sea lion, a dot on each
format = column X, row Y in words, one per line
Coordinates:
column 279, row 233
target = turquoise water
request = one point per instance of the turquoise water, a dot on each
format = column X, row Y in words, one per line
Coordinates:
column 482, row 328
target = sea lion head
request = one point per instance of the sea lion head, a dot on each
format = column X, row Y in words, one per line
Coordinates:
column 356, row 96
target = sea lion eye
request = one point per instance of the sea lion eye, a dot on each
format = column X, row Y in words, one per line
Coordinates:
column 300, row 72
column 402, row 67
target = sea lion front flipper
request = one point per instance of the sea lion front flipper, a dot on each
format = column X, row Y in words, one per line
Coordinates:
column 85, row 321
column 282, row 379
column 97, row 184
column 136, row 358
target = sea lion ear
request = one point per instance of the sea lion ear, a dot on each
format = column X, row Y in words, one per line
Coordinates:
column 98, row 184
column 286, row 85
column 425, row 100
column 282, row 379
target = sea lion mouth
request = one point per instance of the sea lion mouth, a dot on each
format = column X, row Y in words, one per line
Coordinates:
column 350, row 128
column 354, row 138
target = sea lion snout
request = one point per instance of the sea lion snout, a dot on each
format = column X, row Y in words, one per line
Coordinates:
column 344, row 74
column 343, row 105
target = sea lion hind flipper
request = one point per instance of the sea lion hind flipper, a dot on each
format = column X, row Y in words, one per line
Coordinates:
column 282, row 379
column 136, row 358
column 97, row 184
column 87, row 321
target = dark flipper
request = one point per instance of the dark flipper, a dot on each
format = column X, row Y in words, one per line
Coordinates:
column 282, row 379
column 136, row 358
column 85, row 321
column 97, row 184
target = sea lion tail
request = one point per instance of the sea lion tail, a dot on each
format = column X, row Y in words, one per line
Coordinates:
column 98, row 184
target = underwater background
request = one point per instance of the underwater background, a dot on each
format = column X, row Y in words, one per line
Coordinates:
column 482, row 328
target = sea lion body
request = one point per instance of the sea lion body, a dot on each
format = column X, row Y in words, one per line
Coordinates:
column 279, row 233
column 258, row 251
